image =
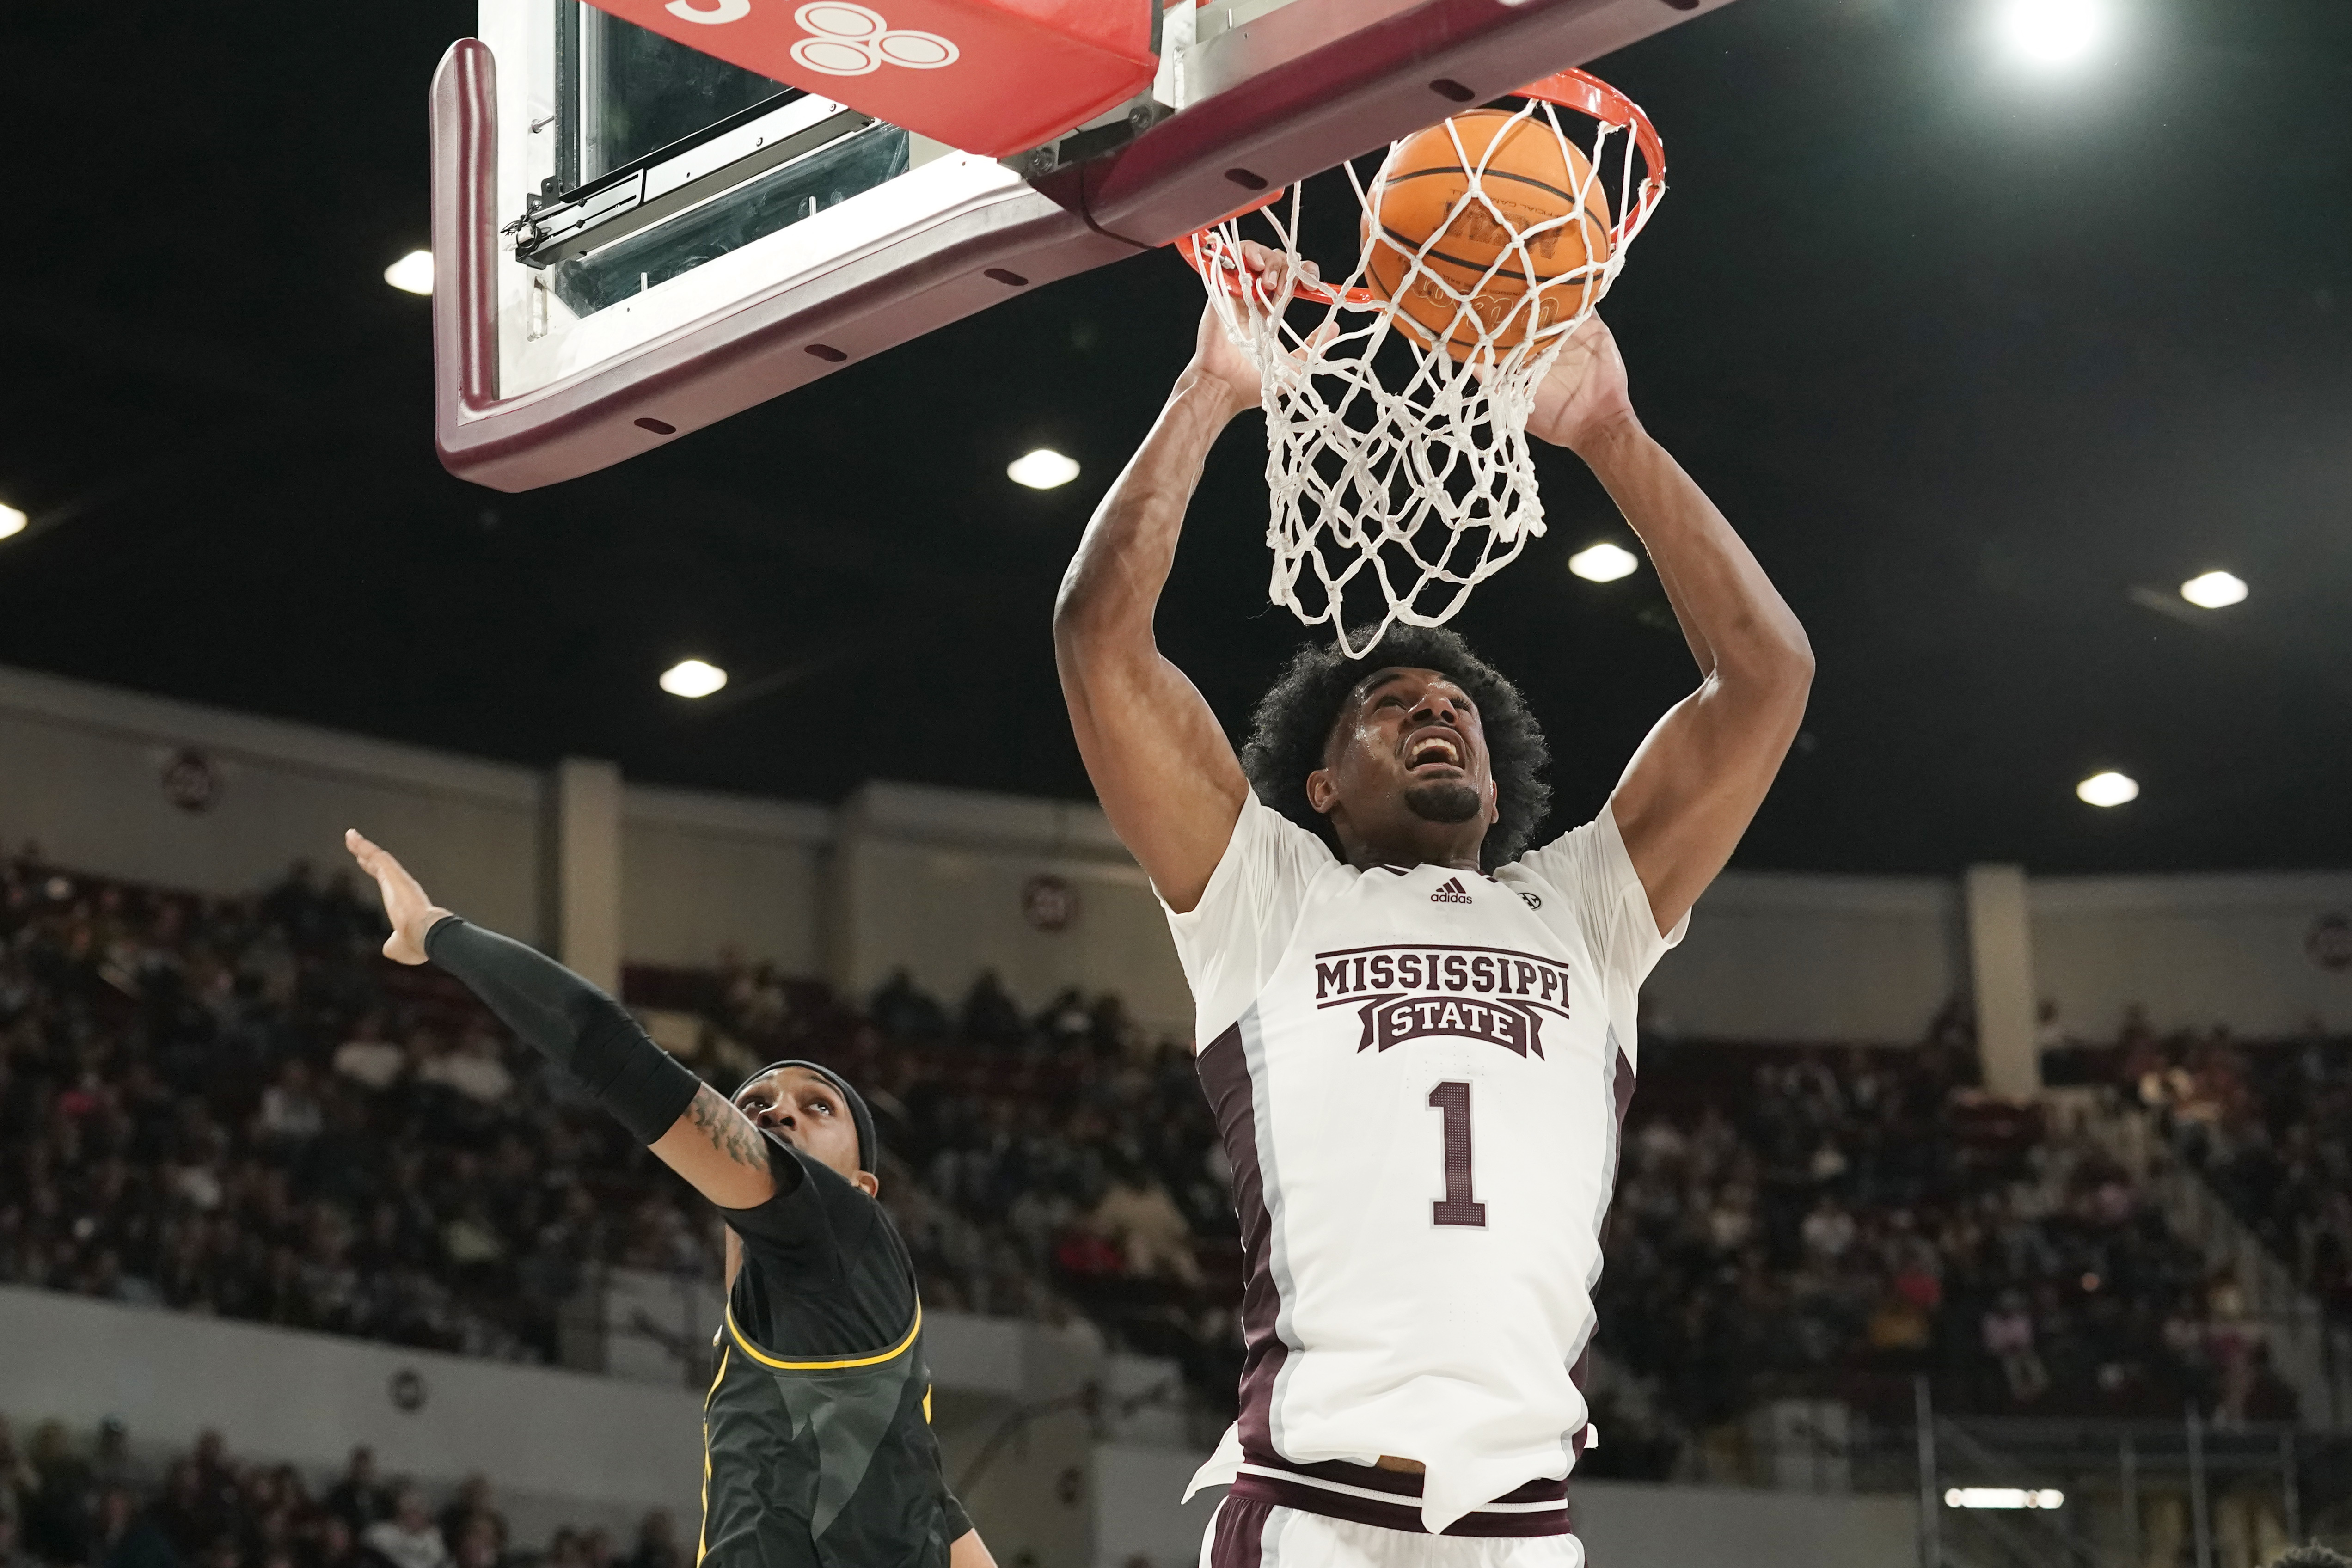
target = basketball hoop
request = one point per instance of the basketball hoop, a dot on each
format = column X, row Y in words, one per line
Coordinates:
column 1421, row 480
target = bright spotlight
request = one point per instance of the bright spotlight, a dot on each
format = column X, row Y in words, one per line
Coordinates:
column 692, row 677
column 12, row 521
column 413, row 273
column 2214, row 590
column 2002, row 1497
column 1603, row 562
column 2054, row 32
column 1043, row 469
column 2109, row 788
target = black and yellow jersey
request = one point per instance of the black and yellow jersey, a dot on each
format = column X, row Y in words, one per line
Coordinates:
column 816, row 1436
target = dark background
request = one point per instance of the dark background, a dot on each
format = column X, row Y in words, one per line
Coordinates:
column 1968, row 350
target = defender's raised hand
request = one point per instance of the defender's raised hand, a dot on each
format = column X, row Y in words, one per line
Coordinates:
column 412, row 914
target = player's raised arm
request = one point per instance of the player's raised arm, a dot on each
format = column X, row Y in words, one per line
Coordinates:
column 1159, row 762
column 687, row 1123
column 1696, row 782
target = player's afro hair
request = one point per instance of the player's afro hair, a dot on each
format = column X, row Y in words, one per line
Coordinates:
column 1290, row 734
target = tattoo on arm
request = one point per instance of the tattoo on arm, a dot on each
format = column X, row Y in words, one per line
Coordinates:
column 730, row 1131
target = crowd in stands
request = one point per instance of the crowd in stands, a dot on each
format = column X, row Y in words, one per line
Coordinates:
column 2270, row 1127
column 237, row 1106
column 65, row 1504
column 1832, row 1225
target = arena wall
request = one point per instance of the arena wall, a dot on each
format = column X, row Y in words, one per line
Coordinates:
column 941, row 881
column 83, row 771
column 1761, row 945
column 701, row 871
column 934, row 880
column 2196, row 951
column 561, row 1447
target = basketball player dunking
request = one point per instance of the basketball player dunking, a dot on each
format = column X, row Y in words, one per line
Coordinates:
column 1418, row 1039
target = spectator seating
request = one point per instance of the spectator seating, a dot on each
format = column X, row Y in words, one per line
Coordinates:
column 64, row 1504
column 1794, row 1224
column 238, row 1106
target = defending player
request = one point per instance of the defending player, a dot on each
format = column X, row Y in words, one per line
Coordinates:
column 816, row 1437
column 1418, row 1039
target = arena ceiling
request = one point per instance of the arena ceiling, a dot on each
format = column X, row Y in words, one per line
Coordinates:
column 1969, row 350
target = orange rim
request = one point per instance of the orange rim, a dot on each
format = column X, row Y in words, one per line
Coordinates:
column 1575, row 89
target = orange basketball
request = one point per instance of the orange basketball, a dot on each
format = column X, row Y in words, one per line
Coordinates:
column 1531, row 179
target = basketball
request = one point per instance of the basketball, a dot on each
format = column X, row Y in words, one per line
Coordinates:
column 1531, row 178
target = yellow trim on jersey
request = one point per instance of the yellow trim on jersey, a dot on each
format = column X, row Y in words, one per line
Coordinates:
column 764, row 1359
column 702, row 1538
column 927, row 1404
column 718, row 1377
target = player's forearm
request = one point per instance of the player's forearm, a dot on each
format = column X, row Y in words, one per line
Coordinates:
column 572, row 1023
column 1739, row 628
column 1113, row 584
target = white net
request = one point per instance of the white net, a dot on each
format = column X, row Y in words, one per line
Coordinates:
column 1397, row 451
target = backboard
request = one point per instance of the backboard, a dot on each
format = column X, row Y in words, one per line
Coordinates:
column 634, row 239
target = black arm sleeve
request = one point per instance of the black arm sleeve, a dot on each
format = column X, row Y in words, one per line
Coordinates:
column 572, row 1023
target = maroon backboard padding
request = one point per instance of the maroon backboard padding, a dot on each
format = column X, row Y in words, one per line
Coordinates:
column 1319, row 99
column 464, row 232
column 1327, row 102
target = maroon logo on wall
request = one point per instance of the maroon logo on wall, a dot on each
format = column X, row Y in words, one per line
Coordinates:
column 2329, row 943
column 191, row 781
column 1048, row 903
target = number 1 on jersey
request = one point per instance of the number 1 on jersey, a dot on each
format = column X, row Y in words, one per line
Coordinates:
column 1458, row 1207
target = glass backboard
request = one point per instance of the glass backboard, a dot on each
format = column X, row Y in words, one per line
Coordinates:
column 634, row 239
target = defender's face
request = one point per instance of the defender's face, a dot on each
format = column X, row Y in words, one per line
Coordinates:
column 1409, row 745
column 808, row 1112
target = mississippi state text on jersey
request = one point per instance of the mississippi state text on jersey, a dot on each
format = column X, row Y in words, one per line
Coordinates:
column 1420, row 1075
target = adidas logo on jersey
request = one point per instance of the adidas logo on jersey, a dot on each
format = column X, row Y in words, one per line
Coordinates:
column 1451, row 891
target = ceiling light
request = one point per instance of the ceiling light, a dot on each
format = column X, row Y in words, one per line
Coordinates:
column 2002, row 1497
column 2214, row 590
column 1043, row 469
column 1602, row 562
column 413, row 272
column 2052, row 32
column 692, row 677
column 2108, row 788
column 12, row 521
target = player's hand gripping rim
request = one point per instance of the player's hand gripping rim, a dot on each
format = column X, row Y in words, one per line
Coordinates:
column 1269, row 283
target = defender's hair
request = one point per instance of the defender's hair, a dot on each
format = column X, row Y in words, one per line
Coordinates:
column 1290, row 733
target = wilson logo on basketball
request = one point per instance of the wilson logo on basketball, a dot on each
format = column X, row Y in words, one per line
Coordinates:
column 1451, row 891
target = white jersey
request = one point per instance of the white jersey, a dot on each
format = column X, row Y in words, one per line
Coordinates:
column 1420, row 1075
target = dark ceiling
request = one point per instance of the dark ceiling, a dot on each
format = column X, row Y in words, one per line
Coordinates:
column 1968, row 351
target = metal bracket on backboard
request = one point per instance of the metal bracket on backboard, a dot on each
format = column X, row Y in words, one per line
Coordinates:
column 1092, row 140
column 644, row 195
